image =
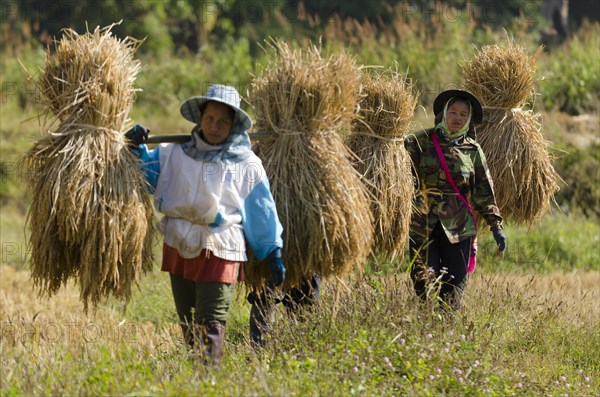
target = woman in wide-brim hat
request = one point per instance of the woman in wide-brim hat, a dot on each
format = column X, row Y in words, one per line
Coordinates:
column 215, row 197
column 452, row 181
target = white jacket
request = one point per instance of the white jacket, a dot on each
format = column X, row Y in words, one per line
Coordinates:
column 213, row 205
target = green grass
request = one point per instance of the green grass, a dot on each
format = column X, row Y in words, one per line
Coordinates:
column 529, row 326
column 557, row 243
column 570, row 80
column 513, row 337
column 526, row 328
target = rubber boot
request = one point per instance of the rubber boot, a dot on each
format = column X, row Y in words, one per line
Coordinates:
column 213, row 340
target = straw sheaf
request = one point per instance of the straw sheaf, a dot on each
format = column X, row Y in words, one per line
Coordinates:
column 386, row 112
column 524, row 179
column 304, row 92
column 304, row 101
column 91, row 218
column 89, row 79
column 502, row 76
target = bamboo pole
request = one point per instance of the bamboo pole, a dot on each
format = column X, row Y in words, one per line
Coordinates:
column 182, row 138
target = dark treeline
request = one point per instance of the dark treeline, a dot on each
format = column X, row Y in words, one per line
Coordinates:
column 187, row 25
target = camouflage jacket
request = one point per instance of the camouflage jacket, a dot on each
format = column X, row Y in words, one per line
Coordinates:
column 436, row 200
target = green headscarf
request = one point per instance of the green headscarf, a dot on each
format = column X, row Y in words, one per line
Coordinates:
column 458, row 134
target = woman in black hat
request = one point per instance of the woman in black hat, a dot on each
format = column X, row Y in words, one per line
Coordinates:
column 453, row 181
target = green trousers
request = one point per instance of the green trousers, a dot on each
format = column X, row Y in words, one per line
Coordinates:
column 210, row 300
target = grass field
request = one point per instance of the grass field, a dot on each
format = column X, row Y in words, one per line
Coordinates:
column 530, row 326
column 521, row 332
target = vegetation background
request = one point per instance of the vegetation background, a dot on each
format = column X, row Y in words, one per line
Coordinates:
column 531, row 321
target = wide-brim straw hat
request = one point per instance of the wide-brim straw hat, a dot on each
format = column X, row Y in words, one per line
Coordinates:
column 440, row 102
column 190, row 108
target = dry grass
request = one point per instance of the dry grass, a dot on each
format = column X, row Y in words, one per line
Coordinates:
column 47, row 327
column 538, row 331
column 386, row 113
column 91, row 218
column 304, row 102
column 573, row 292
column 531, row 293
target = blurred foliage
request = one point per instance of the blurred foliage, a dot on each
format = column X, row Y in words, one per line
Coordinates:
column 191, row 24
column 571, row 82
column 221, row 39
column 187, row 42
column 191, row 44
column 580, row 169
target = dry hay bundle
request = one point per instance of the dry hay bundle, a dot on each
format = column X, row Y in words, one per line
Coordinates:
column 503, row 78
column 90, row 217
column 524, row 179
column 386, row 111
column 303, row 101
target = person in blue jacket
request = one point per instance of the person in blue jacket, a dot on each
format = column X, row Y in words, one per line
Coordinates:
column 215, row 197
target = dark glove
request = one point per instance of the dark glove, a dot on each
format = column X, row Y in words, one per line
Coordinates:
column 500, row 240
column 277, row 268
column 137, row 135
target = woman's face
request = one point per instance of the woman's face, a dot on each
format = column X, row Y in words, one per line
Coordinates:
column 457, row 115
column 216, row 122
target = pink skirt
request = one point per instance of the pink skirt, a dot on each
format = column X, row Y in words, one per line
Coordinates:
column 206, row 267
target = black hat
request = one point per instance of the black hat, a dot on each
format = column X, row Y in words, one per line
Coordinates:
column 440, row 102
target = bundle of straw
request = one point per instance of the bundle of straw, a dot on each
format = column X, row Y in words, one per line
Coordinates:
column 386, row 111
column 91, row 217
column 303, row 101
column 503, row 78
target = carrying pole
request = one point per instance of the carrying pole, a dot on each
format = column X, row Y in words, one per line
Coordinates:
column 182, row 138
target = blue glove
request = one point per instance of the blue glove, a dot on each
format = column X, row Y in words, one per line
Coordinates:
column 500, row 240
column 137, row 135
column 277, row 268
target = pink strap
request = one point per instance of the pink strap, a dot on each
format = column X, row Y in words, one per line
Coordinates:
column 442, row 158
column 473, row 257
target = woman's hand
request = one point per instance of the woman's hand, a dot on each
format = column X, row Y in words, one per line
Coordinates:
column 277, row 269
column 500, row 240
column 137, row 135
